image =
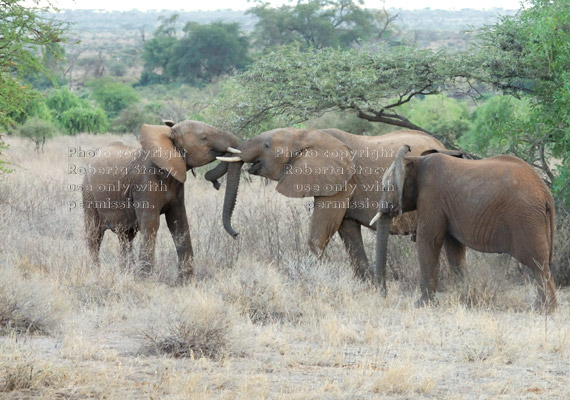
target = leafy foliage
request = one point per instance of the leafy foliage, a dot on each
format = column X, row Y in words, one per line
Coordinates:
column 80, row 119
column 317, row 23
column 442, row 115
column 208, row 51
column 498, row 127
column 132, row 118
column 61, row 100
column 528, row 55
column 293, row 84
column 3, row 164
column 205, row 53
column 113, row 96
column 24, row 33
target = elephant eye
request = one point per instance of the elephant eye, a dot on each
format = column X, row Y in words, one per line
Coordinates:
column 265, row 145
column 204, row 138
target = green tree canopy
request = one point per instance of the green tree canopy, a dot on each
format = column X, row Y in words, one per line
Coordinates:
column 498, row 127
column 112, row 96
column 528, row 55
column 295, row 84
column 204, row 53
column 445, row 116
column 26, row 33
column 317, row 23
column 81, row 119
column 208, row 51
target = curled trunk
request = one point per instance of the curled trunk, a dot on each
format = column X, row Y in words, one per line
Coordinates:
column 234, row 170
column 216, row 173
column 382, row 232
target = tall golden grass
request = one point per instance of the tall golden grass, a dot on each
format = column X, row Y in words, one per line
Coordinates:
column 263, row 317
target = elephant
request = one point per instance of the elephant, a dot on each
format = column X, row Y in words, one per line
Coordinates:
column 339, row 169
column 126, row 189
column 494, row 205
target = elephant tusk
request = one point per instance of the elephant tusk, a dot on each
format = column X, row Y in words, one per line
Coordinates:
column 376, row 218
column 229, row 159
column 233, row 151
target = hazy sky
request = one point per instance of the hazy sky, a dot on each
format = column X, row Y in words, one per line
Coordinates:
column 243, row 4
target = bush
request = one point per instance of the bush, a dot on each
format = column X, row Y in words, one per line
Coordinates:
column 195, row 325
column 28, row 305
column 38, row 131
column 151, row 78
column 113, row 96
column 444, row 116
column 92, row 120
column 131, row 119
column 61, row 100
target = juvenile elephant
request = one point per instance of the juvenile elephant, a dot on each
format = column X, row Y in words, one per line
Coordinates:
column 495, row 205
column 340, row 170
column 126, row 189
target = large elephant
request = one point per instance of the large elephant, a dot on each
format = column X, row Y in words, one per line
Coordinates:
column 340, row 170
column 126, row 189
column 495, row 205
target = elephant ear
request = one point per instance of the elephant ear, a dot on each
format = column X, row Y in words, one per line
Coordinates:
column 321, row 166
column 157, row 144
column 453, row 153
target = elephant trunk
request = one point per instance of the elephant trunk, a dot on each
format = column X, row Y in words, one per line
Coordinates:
column 234, row 171
column 382, row 232
column 216, row 173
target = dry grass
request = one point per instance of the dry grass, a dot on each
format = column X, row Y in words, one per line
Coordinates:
column 263, row 318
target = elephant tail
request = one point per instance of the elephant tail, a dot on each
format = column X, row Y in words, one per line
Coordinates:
column 551, row 227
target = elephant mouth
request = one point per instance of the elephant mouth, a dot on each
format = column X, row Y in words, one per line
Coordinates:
column 215, row 153
column 255, row 168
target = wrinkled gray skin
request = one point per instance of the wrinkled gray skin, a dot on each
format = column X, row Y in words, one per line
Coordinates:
column 495, row 205
column 297, row 160
column 129, row 188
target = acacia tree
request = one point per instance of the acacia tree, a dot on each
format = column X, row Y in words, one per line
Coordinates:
column 25, row 33
column 294, row 85
column 318, row 23
column 208, row 51
column 528, row 55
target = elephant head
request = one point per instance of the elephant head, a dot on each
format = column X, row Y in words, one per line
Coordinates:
column 187, row 144
column 399, row 195
column 305, row 163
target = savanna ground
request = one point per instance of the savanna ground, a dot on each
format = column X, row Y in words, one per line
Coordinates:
column 263, row 318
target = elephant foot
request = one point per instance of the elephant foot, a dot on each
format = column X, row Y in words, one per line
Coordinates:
column 185, row 277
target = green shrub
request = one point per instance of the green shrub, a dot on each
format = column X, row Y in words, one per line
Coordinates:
column 79, row 119
column 131, row 119
column 113, row 96
column 61, row 100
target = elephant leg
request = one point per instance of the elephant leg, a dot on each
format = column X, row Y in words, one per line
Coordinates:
column 351, row 234
column 178, row 225
column 148, row 225
column 94, row 232
column 126, row 242
column 455, row 252
column 428, row 244
column 546, row 299
column 327, row 217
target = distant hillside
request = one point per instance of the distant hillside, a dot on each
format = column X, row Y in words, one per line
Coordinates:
column 111, row 42
column 446, row 20
column 119, row 21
